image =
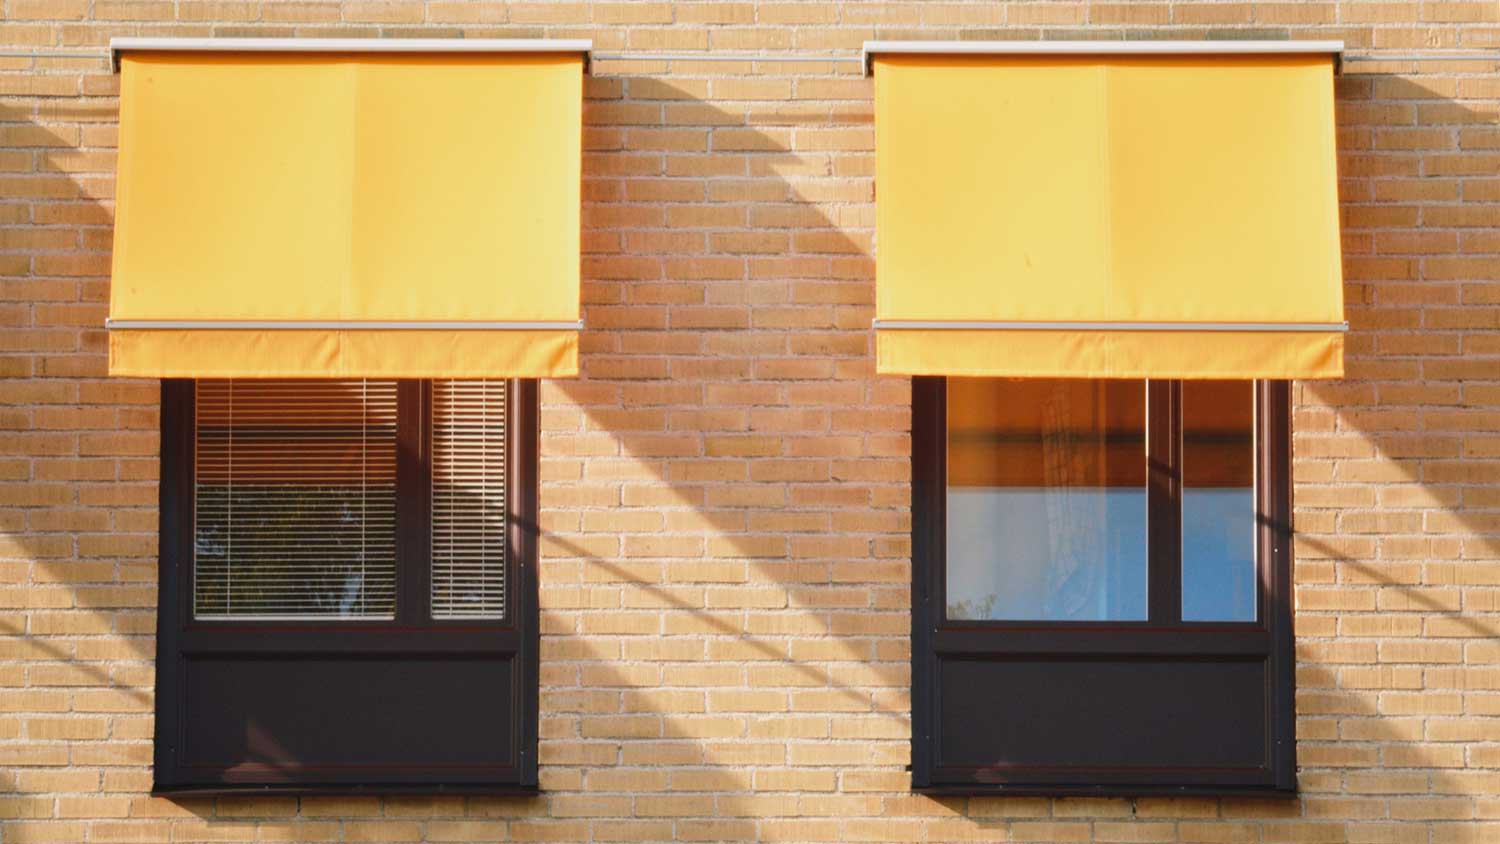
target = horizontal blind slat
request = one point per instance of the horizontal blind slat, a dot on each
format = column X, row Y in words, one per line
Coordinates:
column 295, row 499
column 469, row 524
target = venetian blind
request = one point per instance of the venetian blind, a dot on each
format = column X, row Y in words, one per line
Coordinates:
column 295, row 499
column 468, row 499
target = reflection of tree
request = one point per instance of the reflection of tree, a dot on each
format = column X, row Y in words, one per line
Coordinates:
column 295, row 497
column 970, row 610
column 295, row 549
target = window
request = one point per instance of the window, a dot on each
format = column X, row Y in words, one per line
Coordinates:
column 348, row 597
column 1101, row 596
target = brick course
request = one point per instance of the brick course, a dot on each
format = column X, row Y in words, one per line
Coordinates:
column 725, row 571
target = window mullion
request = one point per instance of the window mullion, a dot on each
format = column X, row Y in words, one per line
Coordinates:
column 1164, row 502
column 1273, row 418
column 414, row 503
column 1273, row 421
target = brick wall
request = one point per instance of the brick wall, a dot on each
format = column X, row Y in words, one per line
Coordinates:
column 725, row 490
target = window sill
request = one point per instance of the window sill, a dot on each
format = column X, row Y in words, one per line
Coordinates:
column 379, row 790
column 983, row 790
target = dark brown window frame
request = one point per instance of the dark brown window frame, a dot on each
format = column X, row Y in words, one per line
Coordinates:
column 410, row 635
column 1162, row 636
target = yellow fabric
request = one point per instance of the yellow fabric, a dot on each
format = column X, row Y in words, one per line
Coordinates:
column 356, row 187
column 1108, row 189
column 330, row 354
column 1111, row 354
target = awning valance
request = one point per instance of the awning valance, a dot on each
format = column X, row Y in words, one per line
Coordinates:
column 1119, row 209
column 331, row 209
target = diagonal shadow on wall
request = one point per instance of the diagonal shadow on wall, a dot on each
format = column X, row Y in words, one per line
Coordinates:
column 725, row 559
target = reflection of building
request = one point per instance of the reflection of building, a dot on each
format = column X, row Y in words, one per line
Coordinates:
column 1078, row 586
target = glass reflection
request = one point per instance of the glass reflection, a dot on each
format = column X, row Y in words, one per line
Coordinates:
column 1218, row 501
column 1046, row 499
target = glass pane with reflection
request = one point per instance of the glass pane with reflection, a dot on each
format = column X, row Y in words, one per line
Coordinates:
column 1046, row 499
column 1218, row 501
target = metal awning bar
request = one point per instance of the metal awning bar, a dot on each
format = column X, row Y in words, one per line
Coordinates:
column 475, row 45
column 51, row 54
column 349, row 45
column 338, row 325
column 1097, row 48
column 805, row 58
column 1460, row 56
column 965, row 325
column 871, row 49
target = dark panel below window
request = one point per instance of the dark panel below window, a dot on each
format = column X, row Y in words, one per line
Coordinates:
column 1096, row 714
column 348, row 717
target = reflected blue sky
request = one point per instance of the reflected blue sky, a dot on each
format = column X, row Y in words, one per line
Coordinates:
column 1218, row 554
column 1079, row 554
column 1034, row 554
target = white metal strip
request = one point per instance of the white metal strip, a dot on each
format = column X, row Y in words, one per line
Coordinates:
column 1095, row 48
column 348, row 45
column 1460, row 56
column 51, row 54
column 960, row 325
column 120, row 45
column 338, row 325
column 806, row 58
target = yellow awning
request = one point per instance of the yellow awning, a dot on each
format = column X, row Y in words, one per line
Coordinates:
column 1129, row 210
column 379, row 209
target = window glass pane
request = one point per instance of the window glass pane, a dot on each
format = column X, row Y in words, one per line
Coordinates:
column 468, row 499
column 294, row 499
column 1218, row 501
column 1046, row 499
